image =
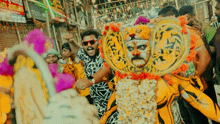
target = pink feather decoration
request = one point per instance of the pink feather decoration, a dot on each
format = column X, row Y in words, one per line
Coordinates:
column 65, row 81
column 38, row 39
column 142, row 19
column 5, row 68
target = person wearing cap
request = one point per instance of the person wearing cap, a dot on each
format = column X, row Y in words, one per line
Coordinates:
column 51, row 56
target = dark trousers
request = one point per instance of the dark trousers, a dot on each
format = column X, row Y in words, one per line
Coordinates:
column 191, row 115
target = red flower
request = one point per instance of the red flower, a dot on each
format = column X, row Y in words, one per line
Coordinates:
column 106, row 27
column 102, row 55
column 105, row 64
column 142, row 76
column 184, row 67
column 123, row 76
column 117, row 73
column 134, row 76
column 104, row 32
column 119, row 24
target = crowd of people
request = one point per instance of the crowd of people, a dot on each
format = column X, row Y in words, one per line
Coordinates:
column 95, row 80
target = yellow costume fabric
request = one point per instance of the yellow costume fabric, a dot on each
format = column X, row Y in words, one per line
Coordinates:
column 5, row 101
column 77, row 71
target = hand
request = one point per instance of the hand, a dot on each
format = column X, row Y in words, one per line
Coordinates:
column 82, row 84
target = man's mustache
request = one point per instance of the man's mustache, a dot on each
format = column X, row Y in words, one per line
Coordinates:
column 90, row 48
column 136, row 57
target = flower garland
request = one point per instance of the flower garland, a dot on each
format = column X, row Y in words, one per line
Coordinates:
column 136, row 101
column 6, row 82
column 135, row 76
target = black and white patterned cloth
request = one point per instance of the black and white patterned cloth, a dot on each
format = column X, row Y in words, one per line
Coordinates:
column 100, row 92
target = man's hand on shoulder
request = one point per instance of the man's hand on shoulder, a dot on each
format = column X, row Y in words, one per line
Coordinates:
column 82, row 84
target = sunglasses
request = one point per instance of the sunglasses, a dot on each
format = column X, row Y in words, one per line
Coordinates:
column 85, row 43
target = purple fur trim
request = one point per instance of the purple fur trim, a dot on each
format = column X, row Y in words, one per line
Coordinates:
column 5, row 68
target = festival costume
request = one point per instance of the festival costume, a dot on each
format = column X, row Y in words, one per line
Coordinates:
column 100, row 92
column 6, row 90
column 153, row 68
column 34, row 85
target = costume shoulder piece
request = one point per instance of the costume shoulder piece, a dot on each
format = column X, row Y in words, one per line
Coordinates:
column 33, row 82
column 159, row 50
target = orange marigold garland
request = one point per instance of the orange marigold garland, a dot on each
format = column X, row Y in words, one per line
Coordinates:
column 105, row 64
column 182, row 20
column 104, row 32
column 184, row 29
column 106, row 27
column 135, row 76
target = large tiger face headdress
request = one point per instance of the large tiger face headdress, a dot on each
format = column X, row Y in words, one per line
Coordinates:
column 137, row 43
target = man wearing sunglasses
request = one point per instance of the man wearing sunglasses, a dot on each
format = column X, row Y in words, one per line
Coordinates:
column 97, row 75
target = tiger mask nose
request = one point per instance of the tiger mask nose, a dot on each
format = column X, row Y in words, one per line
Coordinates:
column 132, row 35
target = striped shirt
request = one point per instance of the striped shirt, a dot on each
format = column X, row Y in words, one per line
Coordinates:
column 215, row 24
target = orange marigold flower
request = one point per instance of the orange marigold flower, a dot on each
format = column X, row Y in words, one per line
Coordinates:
column 182, row 20
column 104, row 32
column 117, row 73
column 191, row 56
column 100, row 48
column 123, row 76
column 184, row 67
column 119, row 24
column 170, row 82
column 166, row 77
column 105, row 64
column 184, row 29
column 102, row 55
column 193, row 42
column 100, row 41
column 106, row 27
column 134, row 76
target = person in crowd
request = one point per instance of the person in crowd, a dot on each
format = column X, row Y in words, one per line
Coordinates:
column 52, row 56
column 215, row 44
column 75, row 68
column 202, row 61
column 188, row 11
column 97, row 74
column 214, row 22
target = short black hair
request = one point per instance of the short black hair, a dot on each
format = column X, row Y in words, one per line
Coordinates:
column 90, row 32
column 169, row 11
column 186, row 9
column 66, row 46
